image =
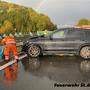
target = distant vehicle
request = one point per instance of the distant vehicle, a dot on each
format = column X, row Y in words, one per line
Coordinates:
column 63, row 41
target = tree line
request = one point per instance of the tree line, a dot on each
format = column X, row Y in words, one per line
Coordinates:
column 15, row 18
column 83, row 21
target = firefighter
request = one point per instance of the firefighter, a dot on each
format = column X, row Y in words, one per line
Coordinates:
column 10, row 46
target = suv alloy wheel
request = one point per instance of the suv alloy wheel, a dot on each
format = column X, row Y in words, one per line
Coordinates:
column 34, row 51
column 85, row 52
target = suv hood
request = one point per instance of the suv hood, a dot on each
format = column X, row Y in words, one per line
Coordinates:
column 34, row 39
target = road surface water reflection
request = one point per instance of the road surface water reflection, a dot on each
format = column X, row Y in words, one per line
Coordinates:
column 43, row 72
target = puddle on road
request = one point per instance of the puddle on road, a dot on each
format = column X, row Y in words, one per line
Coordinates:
column 44, row 71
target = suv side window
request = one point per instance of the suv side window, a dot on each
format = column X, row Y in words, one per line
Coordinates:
column 59, row 34
column 87, row 34
column 78, row 34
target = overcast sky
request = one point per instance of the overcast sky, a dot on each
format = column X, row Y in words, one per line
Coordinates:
column 60, row 11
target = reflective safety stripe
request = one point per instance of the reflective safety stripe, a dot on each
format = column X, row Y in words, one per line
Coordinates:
column 16, row 57
column 11, row 42
column 6, row 57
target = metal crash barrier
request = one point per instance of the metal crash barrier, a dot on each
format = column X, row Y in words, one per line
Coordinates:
column 12, row 62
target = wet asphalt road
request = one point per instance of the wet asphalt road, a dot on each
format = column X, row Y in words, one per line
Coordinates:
column 43, row 72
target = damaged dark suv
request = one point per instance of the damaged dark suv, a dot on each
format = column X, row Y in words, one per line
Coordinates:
column 63, row 41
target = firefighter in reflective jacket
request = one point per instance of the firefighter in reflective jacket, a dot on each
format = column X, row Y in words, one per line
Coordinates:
column 10, row 46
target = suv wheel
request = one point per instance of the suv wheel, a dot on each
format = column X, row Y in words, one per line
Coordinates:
column 85, row 52
column 34, row 51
